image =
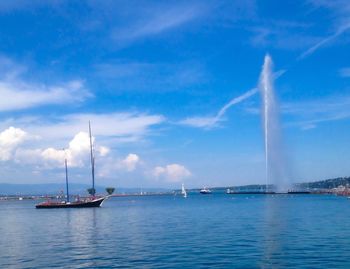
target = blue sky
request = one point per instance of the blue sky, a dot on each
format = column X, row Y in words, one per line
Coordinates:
column 154, row 78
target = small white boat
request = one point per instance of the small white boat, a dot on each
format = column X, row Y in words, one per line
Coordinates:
column 205, row 191
column 183, row 191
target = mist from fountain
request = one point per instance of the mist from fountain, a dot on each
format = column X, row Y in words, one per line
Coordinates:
column 275, row 161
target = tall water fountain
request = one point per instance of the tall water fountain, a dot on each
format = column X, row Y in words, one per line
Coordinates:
column 275, row 164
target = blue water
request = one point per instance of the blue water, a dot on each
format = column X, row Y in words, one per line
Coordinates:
column 202, row 231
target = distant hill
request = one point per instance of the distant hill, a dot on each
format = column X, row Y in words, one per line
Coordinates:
column 326, row 184
column 74, row 188
column 321, row 184
column 56, row 188
column 42, row 189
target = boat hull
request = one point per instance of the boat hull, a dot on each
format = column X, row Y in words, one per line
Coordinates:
column 299, row 192
column 251, row 192
column 83, row 204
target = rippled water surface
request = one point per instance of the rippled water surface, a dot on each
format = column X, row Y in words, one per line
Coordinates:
column 202, row 231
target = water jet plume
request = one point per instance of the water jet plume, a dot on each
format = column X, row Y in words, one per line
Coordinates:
column 275, row 164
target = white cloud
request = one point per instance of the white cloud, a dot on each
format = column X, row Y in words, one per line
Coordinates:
column 113, row 165
column 171, row 172
column 10, row 139
column 130, row 162
column 51, row 154
column 77, row 152
column 103, row 151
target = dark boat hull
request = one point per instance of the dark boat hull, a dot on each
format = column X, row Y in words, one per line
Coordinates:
column 268, row 192
column 251, row 192
column 83, row 204
column 299, row 192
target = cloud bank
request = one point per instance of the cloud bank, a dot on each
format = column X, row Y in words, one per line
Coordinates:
column 10, row 139
column 171, row 172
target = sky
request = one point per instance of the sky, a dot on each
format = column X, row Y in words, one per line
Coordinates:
column 170, row 88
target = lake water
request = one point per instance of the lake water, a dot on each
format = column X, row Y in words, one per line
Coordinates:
column 202, row 231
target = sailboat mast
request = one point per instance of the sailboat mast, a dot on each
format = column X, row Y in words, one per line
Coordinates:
column 92, row 162
column 67, row 190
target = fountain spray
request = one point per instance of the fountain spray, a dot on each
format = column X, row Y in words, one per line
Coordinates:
column 275, row 172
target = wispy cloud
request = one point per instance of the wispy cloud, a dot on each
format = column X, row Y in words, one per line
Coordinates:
column 8, row 6
column 301, row 34
column 235, row 101
column 122, row 126
column 342, row 29
column 344, row 72
column 308, row 114
column 338, row 7
column 18, row 93
column 340, row 10
column 160, row 19
column 200, row 122
column 210, row 122
column 312, row 123
column 281, row 34
column 145, row 76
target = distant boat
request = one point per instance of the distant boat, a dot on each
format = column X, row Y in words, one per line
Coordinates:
column 183, row 191
column 93, row 201
column 205, row 191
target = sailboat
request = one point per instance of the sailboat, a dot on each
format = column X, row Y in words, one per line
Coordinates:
column 92, row 201
column 183, row 191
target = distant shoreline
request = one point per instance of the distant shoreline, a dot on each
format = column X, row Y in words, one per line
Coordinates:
column 10, row 191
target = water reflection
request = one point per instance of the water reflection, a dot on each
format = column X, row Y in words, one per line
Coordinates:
column 220, row 231
column 82, row 233
column 274, row 231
